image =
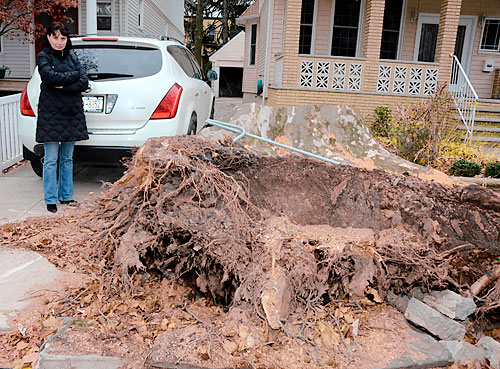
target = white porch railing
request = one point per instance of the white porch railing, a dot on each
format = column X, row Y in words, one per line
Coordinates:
column 11, row 150
column 464, row 96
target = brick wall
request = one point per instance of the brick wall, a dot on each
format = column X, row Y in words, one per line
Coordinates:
column 495, row 91
column 291, row 48
column 448, row 24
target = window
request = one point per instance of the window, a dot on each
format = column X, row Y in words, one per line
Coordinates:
column 306, row 26
column 428, row 41
column 104, row 15
column 391, row 29
column 491, row 35
column 253, row 44
column 198, row 74
column 345, row 27
column 106, row 62
column 186, row 61
column 212, row 34
column 140, row 15
column 459, row 44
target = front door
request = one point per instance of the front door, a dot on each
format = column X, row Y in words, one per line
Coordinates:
column 427, row 34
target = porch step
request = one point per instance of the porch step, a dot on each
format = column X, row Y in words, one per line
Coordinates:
column 481, row 119
column 480, row 128
column 488, row 110
column 484, row 139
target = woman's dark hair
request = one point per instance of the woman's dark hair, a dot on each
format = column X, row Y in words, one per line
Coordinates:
column 52, row 30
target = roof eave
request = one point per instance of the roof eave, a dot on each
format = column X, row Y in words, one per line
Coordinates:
column 242, row 20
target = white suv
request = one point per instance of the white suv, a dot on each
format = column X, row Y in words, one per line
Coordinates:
column 139, row 88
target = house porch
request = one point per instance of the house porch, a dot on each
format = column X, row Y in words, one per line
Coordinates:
column 390, row 61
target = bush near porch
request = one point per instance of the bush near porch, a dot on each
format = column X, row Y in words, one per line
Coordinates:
column 425, row 133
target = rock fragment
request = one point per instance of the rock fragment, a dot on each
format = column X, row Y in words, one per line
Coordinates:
column 433, row 321
column 464, row 351
column 451, row 304
column 426, row 353
column 492, row 349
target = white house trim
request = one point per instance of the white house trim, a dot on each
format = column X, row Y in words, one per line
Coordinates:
column 92, row 17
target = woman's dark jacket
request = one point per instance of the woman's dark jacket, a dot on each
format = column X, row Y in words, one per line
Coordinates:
column 60, row 110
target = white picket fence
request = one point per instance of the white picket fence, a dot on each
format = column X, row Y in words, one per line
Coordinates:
column 11, row 150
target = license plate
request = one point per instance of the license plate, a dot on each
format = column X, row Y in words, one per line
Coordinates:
column 93, row 104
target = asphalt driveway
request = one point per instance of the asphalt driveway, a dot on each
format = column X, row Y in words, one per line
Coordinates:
column 21, row 193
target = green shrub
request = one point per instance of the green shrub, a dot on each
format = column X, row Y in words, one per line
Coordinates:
column 492, row 170
column 464, row 168
column 381, row 126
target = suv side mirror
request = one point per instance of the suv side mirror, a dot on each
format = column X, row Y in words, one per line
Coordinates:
column 212, row 75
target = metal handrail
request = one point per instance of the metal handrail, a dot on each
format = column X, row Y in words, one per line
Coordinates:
column 238, row 129
column 464, row 96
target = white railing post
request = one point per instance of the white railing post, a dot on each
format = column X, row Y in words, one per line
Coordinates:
column 11, row 150
column 464, row 97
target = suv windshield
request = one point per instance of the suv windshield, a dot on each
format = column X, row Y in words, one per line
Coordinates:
column 118, row 62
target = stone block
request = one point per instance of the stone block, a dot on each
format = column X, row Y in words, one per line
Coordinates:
column 451, row 304
column 425, row 353
column 51, row 361
column 464, row 351
column 433, row 321
column 492, row 350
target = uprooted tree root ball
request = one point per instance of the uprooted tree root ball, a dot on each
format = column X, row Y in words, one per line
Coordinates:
column 222, row 219
column 205, row 244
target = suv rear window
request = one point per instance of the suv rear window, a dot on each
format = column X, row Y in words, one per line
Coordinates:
column 105, row 62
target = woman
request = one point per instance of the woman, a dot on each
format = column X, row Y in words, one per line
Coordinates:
column 61, row 120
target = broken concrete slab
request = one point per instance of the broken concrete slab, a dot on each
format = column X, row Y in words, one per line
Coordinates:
column 431, row 320
column 492, row 349
column 425, row 353
column 54, row 361
column 451, row 304
column 464, row 352
column 20, row 273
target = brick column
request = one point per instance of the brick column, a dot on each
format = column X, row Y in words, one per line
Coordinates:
column 495, row 91
column 372, row 39
column 291, row 63
column 447, row 36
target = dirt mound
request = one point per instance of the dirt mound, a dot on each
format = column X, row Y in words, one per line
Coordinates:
column 271, row 251
column 220, row 218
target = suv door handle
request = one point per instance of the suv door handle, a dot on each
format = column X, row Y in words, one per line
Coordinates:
column 197, row 94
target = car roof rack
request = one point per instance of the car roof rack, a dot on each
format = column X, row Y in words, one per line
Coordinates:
column 157, row 37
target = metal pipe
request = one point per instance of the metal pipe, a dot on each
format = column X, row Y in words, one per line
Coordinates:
column 238, row 129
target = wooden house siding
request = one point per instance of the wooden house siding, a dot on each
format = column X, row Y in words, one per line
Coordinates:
column 250, row 71
column 16, row 55
column 173, row 10
column 262, row 36
column 276, row 37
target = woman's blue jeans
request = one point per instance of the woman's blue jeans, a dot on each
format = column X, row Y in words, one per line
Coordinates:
column 53, row 151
